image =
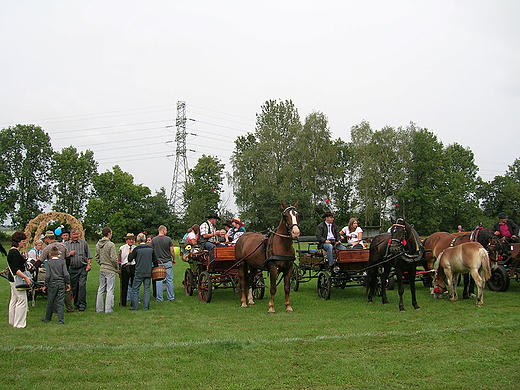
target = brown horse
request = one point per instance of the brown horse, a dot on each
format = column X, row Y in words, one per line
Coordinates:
column 466, row 258
column 438, row 242
column 401, row 249
column 274, row 252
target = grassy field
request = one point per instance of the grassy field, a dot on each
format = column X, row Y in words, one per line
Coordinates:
column 343, row 343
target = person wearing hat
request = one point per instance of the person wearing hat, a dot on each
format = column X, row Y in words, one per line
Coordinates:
column 506, row 228
column 127, row 268
column 65, row 235
column 237, row 229
column 327, row 235
column 209, row 235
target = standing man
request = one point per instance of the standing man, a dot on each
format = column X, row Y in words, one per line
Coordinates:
column 106, row 257
column 327, row 235
column 127, row 268
column 80, row 266
column 144, row 257
column 50, row 240
column 163, row 247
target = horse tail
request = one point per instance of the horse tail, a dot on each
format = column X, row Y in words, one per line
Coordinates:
column 371, row 278
column 486, row 268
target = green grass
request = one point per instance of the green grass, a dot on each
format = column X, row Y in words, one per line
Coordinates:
column 343, row 343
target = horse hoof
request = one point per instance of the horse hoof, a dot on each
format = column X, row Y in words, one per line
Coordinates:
column 271, row 312
column 289, row 310
column 417, row 308
column 251, row 303
column 244, row 306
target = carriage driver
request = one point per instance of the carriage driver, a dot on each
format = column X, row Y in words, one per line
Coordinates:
column 506, row 228
column 327, row 235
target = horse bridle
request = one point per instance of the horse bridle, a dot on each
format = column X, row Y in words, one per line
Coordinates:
column 401, row 243
column 289, row 227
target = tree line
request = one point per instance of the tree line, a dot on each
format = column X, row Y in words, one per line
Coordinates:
column 391, row 172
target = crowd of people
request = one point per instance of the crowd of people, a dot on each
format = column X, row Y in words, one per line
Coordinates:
column 67, row 262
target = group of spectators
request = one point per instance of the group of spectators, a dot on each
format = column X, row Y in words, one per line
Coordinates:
column 68, row 262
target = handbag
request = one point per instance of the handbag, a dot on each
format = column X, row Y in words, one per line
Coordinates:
column 19, row 283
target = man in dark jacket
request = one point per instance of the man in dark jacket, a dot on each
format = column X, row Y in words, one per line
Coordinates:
column 145, row 258
column 327, row 235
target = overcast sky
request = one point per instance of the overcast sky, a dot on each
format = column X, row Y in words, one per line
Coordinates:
column 107, row 75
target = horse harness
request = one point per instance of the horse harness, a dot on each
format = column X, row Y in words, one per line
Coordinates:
column 267, row 243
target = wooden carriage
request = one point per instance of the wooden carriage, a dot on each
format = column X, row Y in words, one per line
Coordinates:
column 348, row 270
column 205, row 276
column 507, row 269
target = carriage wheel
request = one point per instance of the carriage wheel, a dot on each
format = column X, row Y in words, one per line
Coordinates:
column 188, row 282
column 499, row 280
column 324, row 284
column 295, row 278
column 205, row 287
column 258, row 286
column 427, row 280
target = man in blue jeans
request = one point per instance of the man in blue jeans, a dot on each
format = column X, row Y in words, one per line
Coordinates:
column 163, row 248
column 327, row 235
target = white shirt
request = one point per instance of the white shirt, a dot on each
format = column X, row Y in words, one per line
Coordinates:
column 124, row 251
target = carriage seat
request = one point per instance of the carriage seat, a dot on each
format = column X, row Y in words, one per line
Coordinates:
column 311, row 254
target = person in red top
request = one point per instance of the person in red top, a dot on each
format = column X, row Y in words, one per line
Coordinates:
column 506, row 228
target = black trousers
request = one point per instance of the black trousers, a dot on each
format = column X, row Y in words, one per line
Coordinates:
column 127, row 279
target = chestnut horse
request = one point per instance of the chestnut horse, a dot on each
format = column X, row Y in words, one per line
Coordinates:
column 438, row 242
column 401, row 249
column 466, row 258
column 273, row 252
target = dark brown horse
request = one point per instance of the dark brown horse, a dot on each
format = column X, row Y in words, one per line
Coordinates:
column 400, row 249
column 273, row 252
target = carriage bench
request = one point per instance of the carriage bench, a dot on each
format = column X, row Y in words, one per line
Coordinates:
column 311, row 255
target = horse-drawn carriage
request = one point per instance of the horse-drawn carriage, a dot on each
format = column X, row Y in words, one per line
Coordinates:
column 507, row 269
column 348, row 270
column 205, row 275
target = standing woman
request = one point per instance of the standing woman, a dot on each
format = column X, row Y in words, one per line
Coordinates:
column 18, row 304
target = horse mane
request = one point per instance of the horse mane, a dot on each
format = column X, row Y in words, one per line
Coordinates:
column 414, row 246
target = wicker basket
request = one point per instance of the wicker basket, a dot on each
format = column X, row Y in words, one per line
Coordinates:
column 158, row 273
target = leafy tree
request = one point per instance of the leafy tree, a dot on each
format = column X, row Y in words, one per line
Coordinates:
column 263, row 171
column 313, row 167
column 24, row 168
column 459, row 200
column 378, row 171
column 420, row 197
column 342, row 188
column 72, row 173
column 116, row 202
column 157, row 210
column 502, row 194
column 202, row 191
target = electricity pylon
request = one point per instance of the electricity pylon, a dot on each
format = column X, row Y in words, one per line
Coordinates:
column 180, row 170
